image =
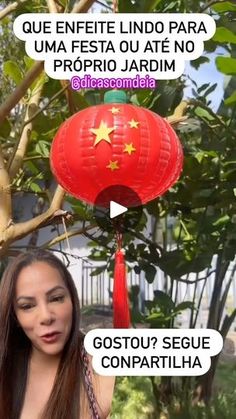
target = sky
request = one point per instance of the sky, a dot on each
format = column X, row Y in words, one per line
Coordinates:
column 207, row 73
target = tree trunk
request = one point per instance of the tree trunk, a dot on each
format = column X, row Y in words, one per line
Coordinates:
column 203, row 390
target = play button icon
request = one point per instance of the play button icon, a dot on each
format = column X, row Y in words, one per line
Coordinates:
column 116, row 209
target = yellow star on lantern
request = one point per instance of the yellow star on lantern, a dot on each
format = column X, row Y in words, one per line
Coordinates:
column 129, row 148
column 102, row 132
column 114, row 110
column 133, row 123
column 113, row 165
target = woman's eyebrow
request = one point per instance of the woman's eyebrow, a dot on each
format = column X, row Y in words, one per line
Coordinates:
column 57, row 287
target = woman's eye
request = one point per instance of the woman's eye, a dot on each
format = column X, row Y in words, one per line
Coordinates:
column 58, row 298
column 26, row 306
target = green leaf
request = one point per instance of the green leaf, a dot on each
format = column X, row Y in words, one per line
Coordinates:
column 80, row 101
column 97, row 256
column 83, row 210
column 43, row 124
column 170, row 6
column 39, row 81
column 164, row 301
column 64, row 3
column 11, row 69
column 210, row 89
column 93, row 97
column 150, row 273
column 150, row 5
column 222, row 221
column 155, row 316
column 5, row 128
column 152, row 207
column 223, row 35
column 200, row 155
column 224, row 6
column 226, row 65
column 139, row 6
column 98, row 270
column 35, row 187
column 87, row 310
column 203, row 113
column 42, row 148
column 199, row 61
column 144, row 97
column 230, row 175
column 28, row 62
column 137, row 317
column 149, row 304
column 184, row 306
column 203, row 87
column 231, row 99
column 126, row 6
column 202, row 193
column 32, row 167
column 174, row 264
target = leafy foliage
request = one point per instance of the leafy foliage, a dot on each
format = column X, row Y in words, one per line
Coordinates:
column 133, row 398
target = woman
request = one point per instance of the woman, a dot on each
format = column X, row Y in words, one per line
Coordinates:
column 45, row 372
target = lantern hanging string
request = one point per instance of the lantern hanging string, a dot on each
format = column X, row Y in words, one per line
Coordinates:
column 119, row 239
column 66, row 235
column 121, row 316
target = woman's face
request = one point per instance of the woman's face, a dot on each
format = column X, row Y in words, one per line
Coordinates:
column 43, row 307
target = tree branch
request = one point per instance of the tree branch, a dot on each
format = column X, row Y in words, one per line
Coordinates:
column 69, row 234
column 187, row 281
column 225, row 293
column 227, row 323
column 18, row 231
column 14, row 251
column 16, row 161
column 52, row 7
column 83, row 6
column 54, row 97
column 211, row 3
column 178, row 115
column 20, row 90
column 140, row 236
column 22, row 229
column 106, row 6
column 196, row 102
column 5, row 196
column 10, row 8
column 96, row 240
column 69, row 97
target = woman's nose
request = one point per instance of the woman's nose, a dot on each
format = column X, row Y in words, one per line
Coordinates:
column 45, row 314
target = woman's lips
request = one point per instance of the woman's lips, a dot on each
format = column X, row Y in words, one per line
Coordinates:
column 51, row 337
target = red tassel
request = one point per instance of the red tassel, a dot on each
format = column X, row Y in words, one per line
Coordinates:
column 121, row 316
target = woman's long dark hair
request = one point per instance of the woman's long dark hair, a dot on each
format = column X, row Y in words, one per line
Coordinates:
column 15, row 348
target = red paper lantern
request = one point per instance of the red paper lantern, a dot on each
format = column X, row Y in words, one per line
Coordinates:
column 116, row 144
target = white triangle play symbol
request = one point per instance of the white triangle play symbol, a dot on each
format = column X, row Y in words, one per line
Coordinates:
column 116, row 209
